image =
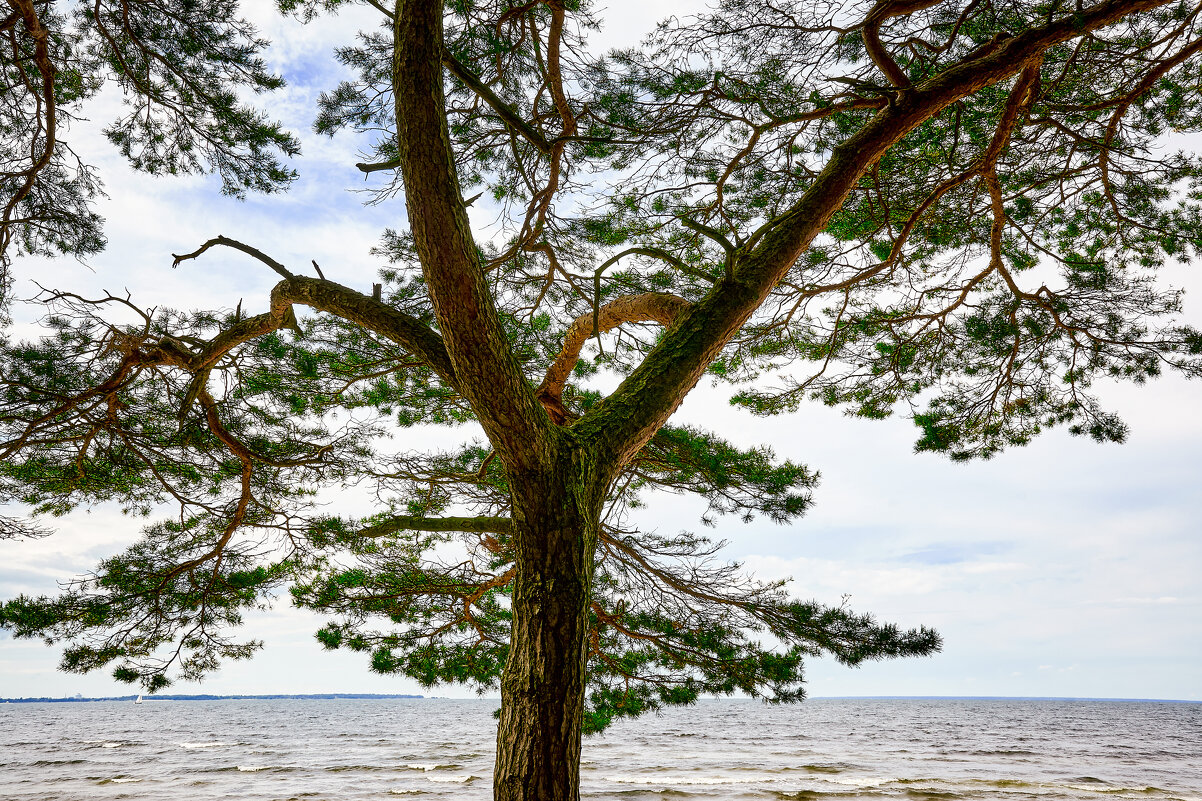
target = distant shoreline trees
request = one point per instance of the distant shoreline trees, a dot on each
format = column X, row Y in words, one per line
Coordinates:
column 203, row 697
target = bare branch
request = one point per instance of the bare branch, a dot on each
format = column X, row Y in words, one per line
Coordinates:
column 12, row 528
column 236, row 245
column 391, row 164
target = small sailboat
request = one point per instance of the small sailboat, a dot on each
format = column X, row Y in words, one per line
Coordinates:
column 138, row 700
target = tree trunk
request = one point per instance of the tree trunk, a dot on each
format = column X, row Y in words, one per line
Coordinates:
column 556, row 519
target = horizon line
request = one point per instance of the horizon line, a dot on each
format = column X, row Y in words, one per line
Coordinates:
column 393, row 696
column 1001, row 698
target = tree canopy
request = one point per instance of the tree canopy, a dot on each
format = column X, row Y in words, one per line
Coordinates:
column 956, row 210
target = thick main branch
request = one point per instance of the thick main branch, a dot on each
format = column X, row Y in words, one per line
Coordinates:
column 487, row 371
column 624, row 422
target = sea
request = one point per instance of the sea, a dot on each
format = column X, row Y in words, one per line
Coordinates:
column 428, row 749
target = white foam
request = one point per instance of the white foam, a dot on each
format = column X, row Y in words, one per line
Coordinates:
column 111, row 745
column 461, row 779
column 213, row 744
column 1107, row 788
column 691, row 780
column 426, row 766
column 125, row 780
column 853, row 781
column 253, row 768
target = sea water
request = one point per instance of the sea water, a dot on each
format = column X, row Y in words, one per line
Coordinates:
column 429, row 749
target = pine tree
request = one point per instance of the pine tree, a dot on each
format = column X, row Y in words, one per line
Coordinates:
column 954, row 208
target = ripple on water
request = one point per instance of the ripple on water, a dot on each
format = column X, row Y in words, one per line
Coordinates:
column 924, row 794
column 463, row 778
column 665, row 792
column 429, row 766
column 816, row 795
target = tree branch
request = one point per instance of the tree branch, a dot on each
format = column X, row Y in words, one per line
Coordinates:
column 708, row 232
column 475, row 525
column 1120, row 111
column 881, row 13
column 622, row 423
column 236, row 245
column 488, row 373
column 328, row 296
column 656, row 307
column 391, row 164
column 12, row 528
column 499, row 106
column 46, row 120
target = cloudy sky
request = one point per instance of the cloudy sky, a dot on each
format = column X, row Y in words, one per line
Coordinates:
column 1065, row 568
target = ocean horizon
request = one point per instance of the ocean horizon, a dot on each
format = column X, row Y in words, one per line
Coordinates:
column 341, row 695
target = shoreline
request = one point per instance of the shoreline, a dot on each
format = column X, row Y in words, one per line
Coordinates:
column 200, row 697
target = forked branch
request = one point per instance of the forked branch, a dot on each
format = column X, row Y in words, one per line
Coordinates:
column 331, row 297
column 236, row 245
column 657, row 307
column 881, row 13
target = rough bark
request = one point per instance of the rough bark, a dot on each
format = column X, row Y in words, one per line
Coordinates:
column 555, row 525
column 488, row 373
column 557, row 492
